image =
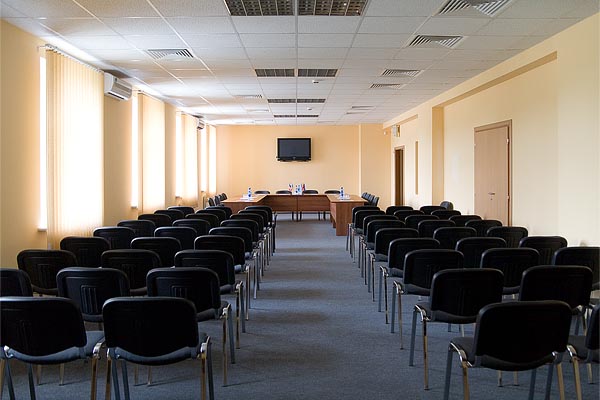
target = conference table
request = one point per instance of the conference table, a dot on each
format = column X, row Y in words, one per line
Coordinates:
column 339, row 209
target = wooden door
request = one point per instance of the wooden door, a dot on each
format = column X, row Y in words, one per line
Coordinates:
column 492, row 171
column 399, row 175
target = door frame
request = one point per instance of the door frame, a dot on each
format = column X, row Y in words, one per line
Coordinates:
column 399, row 178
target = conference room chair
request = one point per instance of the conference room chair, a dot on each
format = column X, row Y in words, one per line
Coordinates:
column 333, row 192
column 44, row 331
column 500, row 342
column 42, row 266
column 412, row 221
column 372, row 227
column 428, row 226
column 217, row 200
column 585, row 349
column 430, row 208
column 216, row 211
column 271, row 221
column 154, row 331
column 283, row 192
column 402, row 214
column 119, row 237
column 447, row 205
column 286, row 192
column 445, row 214
column 546, row 245
column 264, row 227
column 184, row 209
column 580, row 255
column 449, row 236
column 350, row 231
column 473, row 247
column 461, row 220
column 134, row 263
column 159, row 219
column 397, row 251
column 357, row 228
column 201, row 287
column 87, row 249
column 511, row 234
column 258, row 240
column 222, row 263
column 419, row 268
column 221, row 207
column 212, row 219
column 374, row 201
column 211, row 201
column 165, row 247
column 512, row 262
column 262, row 192
column 390, row 210
column 200, row 226
column 364, row 242
column 185, row 234
column 309, row 192
column 14, row 282
column 141, row 227
column 482, row 225
column 456, row 297
column 172, row 213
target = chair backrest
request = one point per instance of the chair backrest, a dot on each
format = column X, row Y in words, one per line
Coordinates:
column 119, row 237
column 546, row 245
column 141, row 227
column 200, row 226
column 376, row 224
column 217, row 200
column 165, row 247
column 461, row 220
column 135, row 263
column 234, row 245
column 283, row 192
column 331, row 191
column 449, row 236
column 375, row 200
column 579, row 255
column 185, row 234
column 463, row 292
column 512, row 262
column 259, row 216
column 360, row 208
column 40, row 326
column 14, row 282
column 267, row 209
column 430, row 208
column 447, row 205
column 213, row 220
column 211, row 201
column 511, row 234
column 243, row 223
column 482, row 225
column 239, row 231
column 377, row 217
column 150, row 326
column 569, row 283
column 310, row 191
column 89, row 288
column 473, row 247
column 412, row 221
column 87, row 249
column 360, row 215
column 445, row 214
column 390, row 210
column 219, row 261
column 221, row 207
column 42, row 266
column 262, row 192
column 216, row 211
column 592, row 337
column 421, row 265
column 159, row 219
column 399, row 248
column 172, row 213
column 428, row 226
column 184, row 209
column 199, row 285
column 525, row 333
column 402, row 214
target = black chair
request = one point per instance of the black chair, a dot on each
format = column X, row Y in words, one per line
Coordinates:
column 271, row 221
column 473, row 247
column 402, row 214
column 200, row 286
column 585, row 349
column 159, row 219
column 309, row 192
column 371, row 225
column 412, row 221
column 135, row 263
column 456, row 296
column 362, row 238
column 221, row 207
column 165, row 247
column 461, row 220
column 262, row 192
column 184, row 209
column 216, row 211
column 357, row 226
column 200, row 226
column 185, row 234
column 264, row 228
column 212, row 219
column 211, row 202
column 430, row 208
column 351, row 226
column 580, row 255
column 141, row 227
column 546, row 245
column 419, row 268
column 89, row 288
column 445, row 214
column 482, row 225
column 511, row 234
column 45, row 331
column 447, row 205
column 374, row 201
column 154, row 331
column 428, row 226
column 172, row 213
column 87, row 249
column 42, row 266
column 14, row 282
column 512, row 263
column 390, row 210
column 119, row 237
column 514, row 336
column 448, row 237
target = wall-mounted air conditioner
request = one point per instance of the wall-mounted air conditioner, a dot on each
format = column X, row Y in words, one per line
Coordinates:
column 116, row 87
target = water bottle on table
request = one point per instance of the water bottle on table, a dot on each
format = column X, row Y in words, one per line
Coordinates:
column 342, row 195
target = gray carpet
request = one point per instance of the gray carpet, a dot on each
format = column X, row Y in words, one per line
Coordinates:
column 314, row 333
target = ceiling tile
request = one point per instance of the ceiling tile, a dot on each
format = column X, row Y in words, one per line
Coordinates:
column 391, row 24
column 322, row 52
column 324, row 40
column 30, row 25
column 212, row 41
column 227, row 53
column 478, row 55
column 380, row 40
column 138, row 26
column 386, row 8
column 325, row 24
column 9, row 12
column 554, row 26
column 488, row 42
column 270, row 53
column 180, row 63
column 191, row 8
column 155, row 41
column 362, row 52
column 320, row 63
column 123, row 55
column 512, row 27
column 196, row 25
column 119, row 8
column 541, row 8
column 218, row 63
column 421, row 54
column 77, row 26
column 266, row 40
column 269, row 24
column 47, row 8
column 99, row 42
column 452, row 26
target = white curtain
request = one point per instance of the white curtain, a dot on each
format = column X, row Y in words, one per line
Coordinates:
column 75, row 106
column 152, row 128
column 190, row 161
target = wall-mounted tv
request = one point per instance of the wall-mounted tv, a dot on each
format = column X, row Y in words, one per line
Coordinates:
column 293, row 149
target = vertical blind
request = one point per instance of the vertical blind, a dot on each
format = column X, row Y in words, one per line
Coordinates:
column 75, row 147
column 190, row 161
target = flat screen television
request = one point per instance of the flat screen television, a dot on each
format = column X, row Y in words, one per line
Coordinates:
column 293, row 149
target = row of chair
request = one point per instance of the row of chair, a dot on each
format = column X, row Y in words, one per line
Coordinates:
column 371, row 199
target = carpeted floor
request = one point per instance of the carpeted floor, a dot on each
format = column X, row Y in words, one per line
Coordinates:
column 314, row 333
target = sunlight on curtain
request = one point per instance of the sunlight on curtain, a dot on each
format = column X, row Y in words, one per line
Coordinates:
column 152, row 125
column 190, row 162
column 179, row 157
column 135, row 152
column 212, row 160
column 204, row 160
column 75, row 102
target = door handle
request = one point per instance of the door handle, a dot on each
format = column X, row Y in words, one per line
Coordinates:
column 492, row 193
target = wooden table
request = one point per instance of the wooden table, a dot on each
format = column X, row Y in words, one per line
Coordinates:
column 341, row 211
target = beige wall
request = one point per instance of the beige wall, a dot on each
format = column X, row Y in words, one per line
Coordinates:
column 374, row 171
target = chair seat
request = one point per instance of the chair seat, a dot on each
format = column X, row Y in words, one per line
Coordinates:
column 381, row 257
column 418, row 290
column 441, row 316
column 395, row 272
column 227, row 289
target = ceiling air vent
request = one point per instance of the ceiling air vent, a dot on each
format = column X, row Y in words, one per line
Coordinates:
column 295, row 116
column 317, row 72
column 259, row 8
column 247, row 96
column 292, row 101
column 401, row 72
column 387, row 86
column 274, row 72
column 435, row 41
column 487, row 7
column 157, row 54
column 345, row 8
